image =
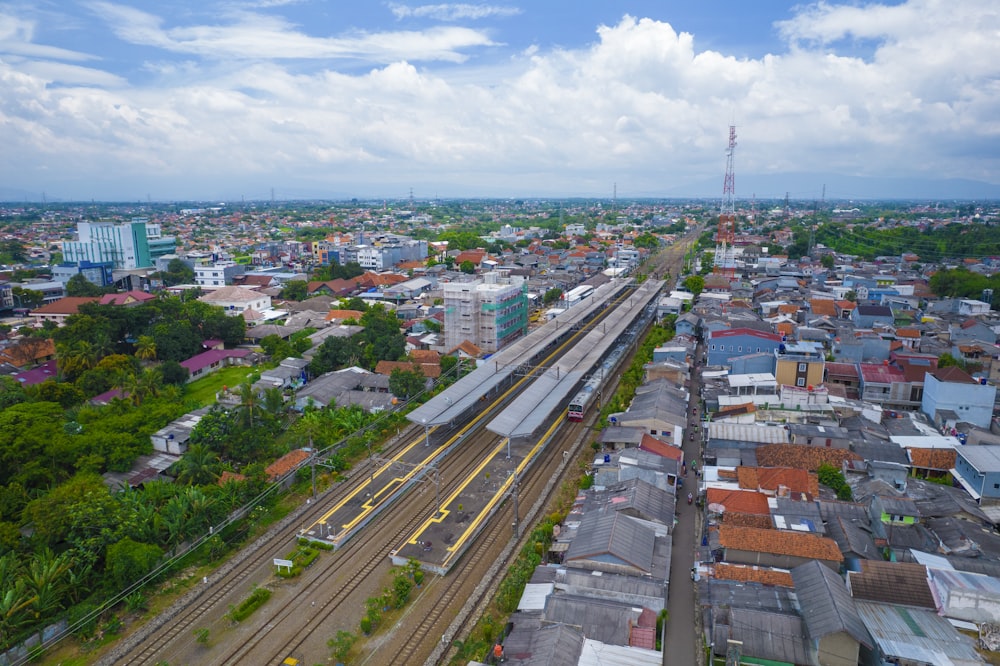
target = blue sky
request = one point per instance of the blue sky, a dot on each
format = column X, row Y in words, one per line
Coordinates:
column 124, row 100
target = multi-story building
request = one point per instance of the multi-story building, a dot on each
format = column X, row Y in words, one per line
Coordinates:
column 954, row 389
column 490, row 313
column 218, row 274
column 136, row 244
column 799, row 364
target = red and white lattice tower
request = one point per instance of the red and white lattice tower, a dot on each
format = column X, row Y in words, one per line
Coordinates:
column 725, row 264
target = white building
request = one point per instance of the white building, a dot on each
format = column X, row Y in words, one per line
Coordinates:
column 128, row 246
column 236, row 300
column 490, row 313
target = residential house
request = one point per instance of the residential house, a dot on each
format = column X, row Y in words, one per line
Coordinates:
column 173, row 438
column 835, row 628
column 977, row 469
column 58, row 311
column 236, row 300
column 799, row 364
column 208, row 362
column 954, row 389
column 784, row 549
column 726, row 344
column 819, row 435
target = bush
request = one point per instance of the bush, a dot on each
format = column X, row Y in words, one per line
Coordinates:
column 257, row 598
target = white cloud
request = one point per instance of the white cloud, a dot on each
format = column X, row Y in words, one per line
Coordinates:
column 452, row 11
column 17, row 35
column 640, row 107
column 260, row 37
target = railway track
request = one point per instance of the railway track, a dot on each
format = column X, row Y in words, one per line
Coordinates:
column 350, row 567
column 354, row 565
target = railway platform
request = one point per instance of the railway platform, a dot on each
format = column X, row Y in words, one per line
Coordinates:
column 443, row 537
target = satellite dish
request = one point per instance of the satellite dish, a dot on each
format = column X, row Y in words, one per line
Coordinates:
column 715, row 507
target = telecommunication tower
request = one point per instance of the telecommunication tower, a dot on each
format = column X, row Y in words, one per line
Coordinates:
column 725, row 264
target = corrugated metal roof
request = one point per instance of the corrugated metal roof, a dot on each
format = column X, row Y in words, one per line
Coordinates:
column 743, row 432
column 601, row 619
column 596, row 653
column 534, row 596
column 614, row 538
column 917, row 634
column 827, row 606
column 774, row 636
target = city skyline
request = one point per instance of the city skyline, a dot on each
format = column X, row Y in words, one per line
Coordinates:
column 121, row 101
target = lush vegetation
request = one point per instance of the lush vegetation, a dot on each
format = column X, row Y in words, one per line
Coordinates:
column 931, row 245
column 246, row 608
column 833, row 478
column 963, row 283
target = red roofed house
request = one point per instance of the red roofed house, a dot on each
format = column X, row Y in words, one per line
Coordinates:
column 286, row 464
column 886, row 385
column 58, row 311
column 659, row 447
column 209, row 361
column 128, row 298
column 775, row 548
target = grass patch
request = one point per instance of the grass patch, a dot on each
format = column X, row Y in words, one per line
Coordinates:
column 301, row 558
column 203, row 390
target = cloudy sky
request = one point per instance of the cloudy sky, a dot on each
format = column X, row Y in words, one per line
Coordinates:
column 223, row 99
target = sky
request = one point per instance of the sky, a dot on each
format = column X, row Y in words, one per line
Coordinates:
column 225, row 100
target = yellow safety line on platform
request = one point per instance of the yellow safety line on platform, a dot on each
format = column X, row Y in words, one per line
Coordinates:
column 453, row 549
column 368, row 507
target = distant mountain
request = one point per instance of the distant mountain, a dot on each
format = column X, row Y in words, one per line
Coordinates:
column 801, row 186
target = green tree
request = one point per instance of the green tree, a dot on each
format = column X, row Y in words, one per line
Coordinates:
column 695, row 284
column 127, row 561
column 78, row 285
column 145, row 348
column 295, row 290
column 827, row 261
column 198, row 466
column 174, row 373
column 467, row 267
column 404, row 384
column 81, row 512
column 552, row 296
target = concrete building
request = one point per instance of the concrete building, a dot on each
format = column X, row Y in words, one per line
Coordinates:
column 954, row 389
column 236, row 300
column 490, row 313
column 218, row 274
column 135, row 244
column 977, row 469
column 799, row 364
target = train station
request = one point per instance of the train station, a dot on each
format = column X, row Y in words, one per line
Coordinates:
column 486, row 397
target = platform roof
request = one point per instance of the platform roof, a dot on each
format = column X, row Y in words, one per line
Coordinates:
column 551, row 391
column 461, row 396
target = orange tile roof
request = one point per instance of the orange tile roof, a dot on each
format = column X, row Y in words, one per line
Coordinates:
column 802, row 456
column 823, row 306
column 748, row 520
column 933, row 458
column 660, row 448
column 785, row 328
column 67, row 305
column 907, row 333
column 739, row 501
column 344, row 314
column 846, row 305
column 788, row 308
column 425, row 356
column 769, row 478
column 428, row 370
column 779, row 542
column 228, row 476
column 285, row 463
column 746, row 574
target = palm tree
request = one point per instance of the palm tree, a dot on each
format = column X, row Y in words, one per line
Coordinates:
column 145, row 348
column 77, row 358
column 199, row 466
column 248, row 400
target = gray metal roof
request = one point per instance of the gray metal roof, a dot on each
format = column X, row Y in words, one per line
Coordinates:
column 827, row 606
column 601, row 619
column 455, row 400
column 623, row 588
column 531, row 644
column 613, row 538
column 553, row 389
column 767, row 635
column 738, row 594
column 918, row 635
column 984, row 458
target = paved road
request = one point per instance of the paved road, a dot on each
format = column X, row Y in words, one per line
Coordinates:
column 682, row 645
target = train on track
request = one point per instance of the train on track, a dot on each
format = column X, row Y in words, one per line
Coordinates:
column 582, row 401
